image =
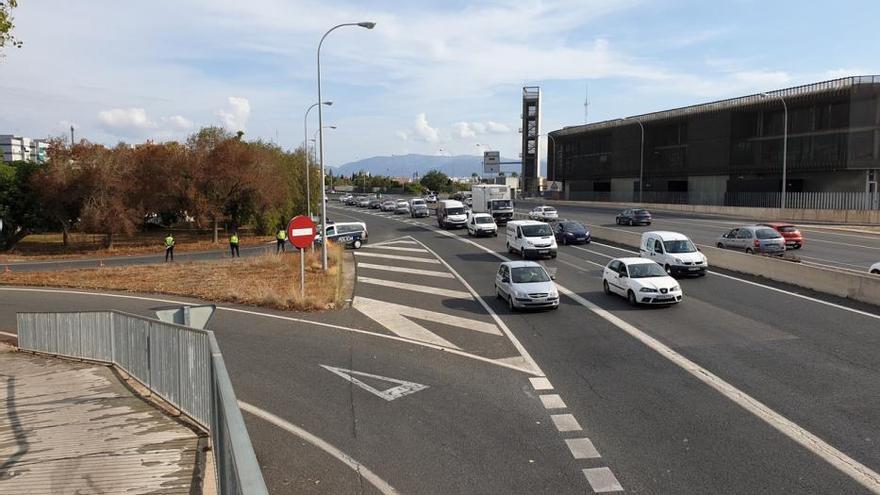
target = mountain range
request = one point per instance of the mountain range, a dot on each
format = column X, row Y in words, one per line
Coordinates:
column 406, row 165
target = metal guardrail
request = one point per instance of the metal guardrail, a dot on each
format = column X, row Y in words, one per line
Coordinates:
column 182, row 365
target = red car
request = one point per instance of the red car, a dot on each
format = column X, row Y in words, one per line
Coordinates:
column 793, row 237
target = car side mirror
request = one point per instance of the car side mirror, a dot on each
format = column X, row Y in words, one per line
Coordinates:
column 505, row 279
column 698, row 249
column 552, row 277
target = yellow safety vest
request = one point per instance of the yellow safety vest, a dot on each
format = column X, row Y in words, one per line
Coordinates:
column 233, row 239
column 169, row 241
column 282, row 235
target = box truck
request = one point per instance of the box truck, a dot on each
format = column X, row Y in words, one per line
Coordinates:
column 493, row 199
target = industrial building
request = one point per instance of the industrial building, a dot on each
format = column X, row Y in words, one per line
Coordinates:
column 731, row 152
column 22, row 149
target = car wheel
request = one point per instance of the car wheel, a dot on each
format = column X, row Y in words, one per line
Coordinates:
column 875, row 272
column 510, row 303
column 522, row 253
column 605, row 288
column 631, row 297
column 495, row 234
column 508, row 248
column 749, row 251
column 498, row 293
column 649, row 223
column 720, row 246
column 357, row 244
column 564, row 241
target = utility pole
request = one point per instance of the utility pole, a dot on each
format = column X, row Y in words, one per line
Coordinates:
column 71, row 136
column 586, row 103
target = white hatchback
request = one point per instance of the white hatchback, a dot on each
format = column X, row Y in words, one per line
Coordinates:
column 526, row 284
column 640, row 281
column 875, row 268
column 544, row 214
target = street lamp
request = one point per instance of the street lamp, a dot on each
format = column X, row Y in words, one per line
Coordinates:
column 315, row 137
column 306, row 150
column 641, row 157
column 366, row 25
column 784, row 144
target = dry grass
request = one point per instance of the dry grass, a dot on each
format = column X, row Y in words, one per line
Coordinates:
column 49, row 246
column 266, row 280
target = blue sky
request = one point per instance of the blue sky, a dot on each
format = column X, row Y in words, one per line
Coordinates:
column 432, row 76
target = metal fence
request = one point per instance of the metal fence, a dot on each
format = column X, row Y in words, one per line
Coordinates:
column 797, row 200
column 182, row 365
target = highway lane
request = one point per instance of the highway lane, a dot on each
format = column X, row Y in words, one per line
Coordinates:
column 844, row 250
column 813, row 364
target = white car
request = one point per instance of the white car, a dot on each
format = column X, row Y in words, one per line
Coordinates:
column 481, row 224
column 544, row 214
column 526, row 284
column 640, row 281
column 875, row 268
column 430, row 199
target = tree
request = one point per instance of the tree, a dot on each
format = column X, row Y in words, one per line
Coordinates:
column 110, row 208
column 6, row 25
column 436, row 180
column 20, row 207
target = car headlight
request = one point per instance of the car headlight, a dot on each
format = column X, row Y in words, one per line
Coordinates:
column 675, row 288
column 519, row 294
column 647, row 289
column 679, row 261
column 529, row 243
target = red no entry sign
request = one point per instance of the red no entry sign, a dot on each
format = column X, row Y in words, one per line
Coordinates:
column 301, row 231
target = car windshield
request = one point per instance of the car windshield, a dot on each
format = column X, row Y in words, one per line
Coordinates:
column 483, row 220
column 529, row 275
column 680, row 246
column 501, row 203
column 536, row 230
column 418, row 202
column 646, row 270
column 767, row 234
column 455, row 211
column 573, row 227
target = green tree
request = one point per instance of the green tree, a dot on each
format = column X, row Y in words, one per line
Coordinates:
column 20, row 207
column 6, row 25
column 436, row 180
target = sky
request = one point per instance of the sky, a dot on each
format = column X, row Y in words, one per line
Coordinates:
column 432, row 77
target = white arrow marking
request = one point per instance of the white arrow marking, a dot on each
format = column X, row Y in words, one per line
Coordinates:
column 403, row 388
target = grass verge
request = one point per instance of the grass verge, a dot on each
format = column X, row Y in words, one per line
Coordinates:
column 266, row 280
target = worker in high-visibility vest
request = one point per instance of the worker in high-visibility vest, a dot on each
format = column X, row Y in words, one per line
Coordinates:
column 233, row 245
column 280, row 241
column 169, row 247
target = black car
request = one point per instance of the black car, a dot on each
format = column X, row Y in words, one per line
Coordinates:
column 569, row 232
column 634, row 216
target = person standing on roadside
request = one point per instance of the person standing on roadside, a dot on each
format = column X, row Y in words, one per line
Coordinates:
column 233, row 245
column 169, row 247
column 280, row 241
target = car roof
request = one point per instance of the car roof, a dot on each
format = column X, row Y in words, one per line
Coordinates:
column 525, row 222
column 520, row 263
column 633, row 261
column 481, row 215
column 666, row 235
column 451, row 203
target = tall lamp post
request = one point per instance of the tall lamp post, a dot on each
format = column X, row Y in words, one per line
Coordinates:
column 366, row 25
column 306, row 150
column 641, row 157
column 315, row 136
column 784, row 145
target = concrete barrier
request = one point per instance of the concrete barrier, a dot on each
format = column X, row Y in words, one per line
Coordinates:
column 854, row 217
column 863, row 288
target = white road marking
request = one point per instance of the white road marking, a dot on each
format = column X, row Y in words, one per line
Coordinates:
column 394, row 248
column 602, row 480
column 362, row 254
column 552, row 401
column 403, row 388
column 847, row 465
column 9, row 334
column 540, row 383
column 497, row 362
column 411, row 271
column 565, row 422
column 346, row 459
column 390, row 316
column 455, row 294
column 394, row 241
column 582, row 448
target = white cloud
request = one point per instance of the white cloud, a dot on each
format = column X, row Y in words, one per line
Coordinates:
column 496, row 128
column 463, row 130
column 178, row 123
column 237, row 115
column 125, row 121
column 402, row 135
column 424, row 131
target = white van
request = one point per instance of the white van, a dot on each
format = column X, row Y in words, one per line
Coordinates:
column 530, row 238
column 674, row 252
column 451, row 213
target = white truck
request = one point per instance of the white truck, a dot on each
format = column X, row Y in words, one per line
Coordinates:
column 493, row 199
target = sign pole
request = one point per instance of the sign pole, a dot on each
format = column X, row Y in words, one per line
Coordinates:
column 301, row 232
column 302, row 273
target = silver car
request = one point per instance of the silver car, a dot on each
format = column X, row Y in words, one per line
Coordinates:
column 753, row 239
column 526, row 284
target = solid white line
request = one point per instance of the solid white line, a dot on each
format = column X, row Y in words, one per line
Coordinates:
column 582, row 448
column 552, row 401
column 411, row 271
column 361, row 254
column 455, row 294
column 565, row 422
column 602, row 480
column 540, row 383
column 346, row 459
column 394, row 248
column 9, row 334
column 849, row 466
column 288, row 318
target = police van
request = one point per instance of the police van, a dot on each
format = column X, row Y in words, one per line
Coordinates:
column 350, row 234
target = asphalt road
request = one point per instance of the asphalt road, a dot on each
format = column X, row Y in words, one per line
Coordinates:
column 822, row 246
column 620, row 379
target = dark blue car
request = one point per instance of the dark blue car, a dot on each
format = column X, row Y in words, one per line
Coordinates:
column 634, row 216
column 568, row 232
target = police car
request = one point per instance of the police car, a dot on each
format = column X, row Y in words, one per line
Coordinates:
column 350, row 234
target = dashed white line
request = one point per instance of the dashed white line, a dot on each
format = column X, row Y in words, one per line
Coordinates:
column 602, row 480
column 552, row 401
column 455, row 294
column 411, row 271
column 582, row 448
column 565, row 422
column 416, row 259
column 540, row 383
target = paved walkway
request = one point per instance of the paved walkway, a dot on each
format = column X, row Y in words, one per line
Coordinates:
column 73, row 428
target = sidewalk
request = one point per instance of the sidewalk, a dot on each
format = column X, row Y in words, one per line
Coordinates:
column 73, row 428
